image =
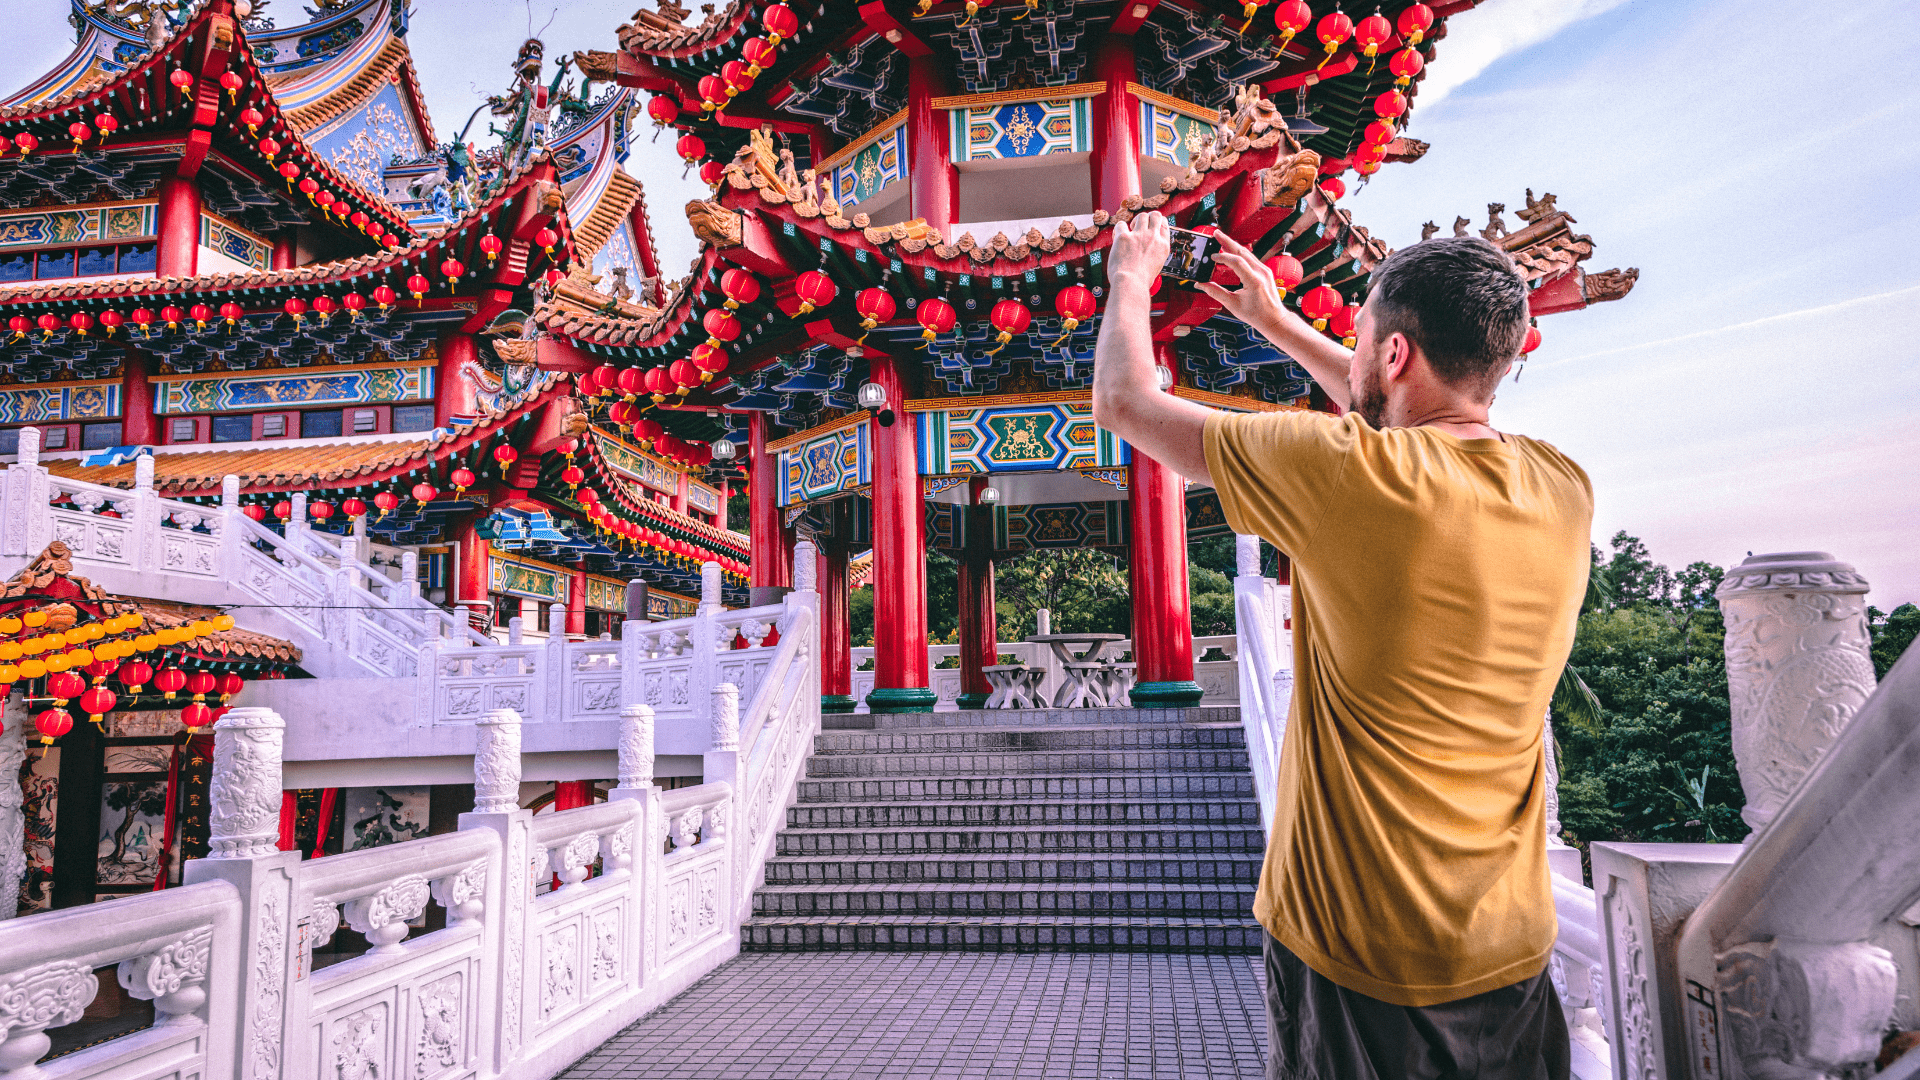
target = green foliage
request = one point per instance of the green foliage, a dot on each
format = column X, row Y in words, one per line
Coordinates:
column 1892, row 633
column 1211, row 596
column 739, row 512
column 1086, row 591
column 1656, row 763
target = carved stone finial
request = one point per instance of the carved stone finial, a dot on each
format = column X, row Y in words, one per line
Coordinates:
column 710, row 585
column 173, row 976
column 726, row 717
column 1460, row 225
column 1246, row 556
column 245, row 820
column 1427, row 230
column 1496, row 228
column 29, row 446
column 143, row 473
column 636, row 746
column 230, row 491
column 496, row 763
column 806, row 567
column 1798, row 667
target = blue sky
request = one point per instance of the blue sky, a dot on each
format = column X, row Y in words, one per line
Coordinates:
column 1758, row 390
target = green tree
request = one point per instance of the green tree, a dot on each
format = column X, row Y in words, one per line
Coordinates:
column 1892, row 632
column 1087, row 591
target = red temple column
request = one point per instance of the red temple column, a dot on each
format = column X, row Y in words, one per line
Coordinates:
column 577, row 604
column 572, row 794
column 470, row 585
column 979, row 629
column 136, row 402
column 1116, row 126
column 679, row 503
column 177, row 247
column 770, row 544
column 900, row 681
column 935, row 182
column 1157, row 560
column 836, row 629
column 285, row 250
column 453, row 394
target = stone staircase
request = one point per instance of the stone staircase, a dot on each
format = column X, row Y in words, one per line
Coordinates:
column 1102, row 830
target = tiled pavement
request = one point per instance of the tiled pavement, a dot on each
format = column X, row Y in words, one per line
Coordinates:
column 977, row 1016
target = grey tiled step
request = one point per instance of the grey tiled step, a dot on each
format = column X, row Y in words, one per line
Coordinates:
column 1218, row 869
column 1030, row 718
column 1045, row 839
column 1130, row 898
column 1057, row 933
column 1237, row 785
column 1016, row 761
column 994, row 740
column 1138, row 812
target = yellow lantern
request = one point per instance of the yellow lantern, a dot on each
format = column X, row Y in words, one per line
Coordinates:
column 11, row 650
column 146, row 642
column 32, row 669
column 223, row 622
column 9, row 625
column 202, row 628
column 79, row 658
column 35, row 618
column 56, row 662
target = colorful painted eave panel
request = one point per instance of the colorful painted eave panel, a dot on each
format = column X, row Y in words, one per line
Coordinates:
column 39, row 404
column 1039, row 525
column 877, row 164
column 1021, row 129
column 636, row 466
column 526, row 579
column 838, row 461
column 363, row 387
column 1016, row 438
column 41, row 228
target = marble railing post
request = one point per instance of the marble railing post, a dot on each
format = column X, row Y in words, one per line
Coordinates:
column 496, row 806
column 27, row 527
column 147, row 516
column 245, row 825
column 722, row 759
column 1798, row 667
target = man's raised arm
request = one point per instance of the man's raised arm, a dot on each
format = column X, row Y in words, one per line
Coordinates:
column 1258, row 305
column 1127, row 399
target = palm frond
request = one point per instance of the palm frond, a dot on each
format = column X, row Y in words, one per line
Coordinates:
column 1573, row 699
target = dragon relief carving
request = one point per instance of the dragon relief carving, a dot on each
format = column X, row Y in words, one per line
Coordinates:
column 713, row 223
column 1609, row 284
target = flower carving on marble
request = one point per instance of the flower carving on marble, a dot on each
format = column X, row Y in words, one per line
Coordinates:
column 269, row 970
column 606, row 946
column 358, row 1042
column 686, row 829
column 679, row 911
column 707, row 914
column 441, row 1020
column 384, row 915
column 171, row 975
column 561, row 983
column 616, row 850
column 571, row 861
column 245, row 819
column 323, row 923
column 1631, row 977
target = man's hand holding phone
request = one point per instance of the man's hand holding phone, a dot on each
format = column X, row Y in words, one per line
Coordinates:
column 1257, row 301
column 1139, row 251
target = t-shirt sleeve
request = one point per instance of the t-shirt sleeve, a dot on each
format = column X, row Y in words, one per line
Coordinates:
column 1276, row 472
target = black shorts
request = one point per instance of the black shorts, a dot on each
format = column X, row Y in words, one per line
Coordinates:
column 1317, row 1030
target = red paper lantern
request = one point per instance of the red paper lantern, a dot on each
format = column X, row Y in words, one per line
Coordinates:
column 1320, row 303
column 290, row 171
column 1414, row 23
column 297, row 308
column 462, row 478
column 1379, row 133
column 815, row 290
column 352, row 507
column 27, row 142
column 181, row 79
column 112, row 320
column 1532, row 341
column 740, row 287
column 255, row 511
column 936, row 317
column 1370, row 153
column 1390, row 104
column 631, row 382
column 374, row 228
column 662, row 110
column 875, row 306
column 691, row 148
column 386, row 501
column 621, row 412
column 780, row 23
column 490, row 246
column 1291, row 17
column 712, row 172
column 1333, row 188
column 1010, row 317
column 133, row 675
column 572, row 476
column 713, row 92
column 504, row 456
column 232, row 312
column 98, row 702
column 48, row 323
column 269, row 148
column 384, row 296
column 1406, row 64
column 1287, row 272
column 200, row 313
column 647, row 429
column 546, row 238
column 1373, row 32
column 418, row 286
column 759, row 54
column 51, row 724
column 720, row 326
column 324, row 198
column 252, row 117
column 195, row 716
column 311, row 188
column 169, row 681
column 354, row 303
column 81, row 322
column 64, row 686
column 172, row 316
column 658, row 384
column 1075, row 303
column 602, row 379
column 1343, row 322
column 283, row 509
column 20, row 325
column 424, row 493
column 453, row 268
column 1250, row 9
column 231, row 80
column 1333, row 32
column 324, row 306
column 320, row 511
column 230, row 684
column 710, row 359
column 735, row 74
column 80, row 133
column 684, row 375
column 588, row 497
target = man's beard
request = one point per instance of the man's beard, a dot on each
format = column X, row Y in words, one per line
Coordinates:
column 1371, row 401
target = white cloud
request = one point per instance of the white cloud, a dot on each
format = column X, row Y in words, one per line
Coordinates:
column 1493, row 30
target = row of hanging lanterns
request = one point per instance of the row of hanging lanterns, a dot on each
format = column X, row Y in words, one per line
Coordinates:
column 48, row 643
column 718, row 90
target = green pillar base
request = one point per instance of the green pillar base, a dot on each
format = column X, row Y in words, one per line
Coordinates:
column 1166, row 695
column 901, row 699
column 838, row 703
column 972, row 701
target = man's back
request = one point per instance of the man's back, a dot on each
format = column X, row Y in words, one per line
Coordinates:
column 1436, row 582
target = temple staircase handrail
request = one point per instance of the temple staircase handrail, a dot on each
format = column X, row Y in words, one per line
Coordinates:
column 1265, row 671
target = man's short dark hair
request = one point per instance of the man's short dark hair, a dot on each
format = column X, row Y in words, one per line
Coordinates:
column 1459, row 298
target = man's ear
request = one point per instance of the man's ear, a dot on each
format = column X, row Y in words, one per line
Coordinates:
column 1399, row 356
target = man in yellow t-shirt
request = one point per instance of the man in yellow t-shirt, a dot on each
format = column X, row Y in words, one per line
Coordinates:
column 1438, row 568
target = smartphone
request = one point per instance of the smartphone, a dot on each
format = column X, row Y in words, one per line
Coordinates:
column 1191, row 257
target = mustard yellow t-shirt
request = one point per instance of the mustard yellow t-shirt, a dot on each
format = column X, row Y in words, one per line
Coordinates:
column 1436, row 581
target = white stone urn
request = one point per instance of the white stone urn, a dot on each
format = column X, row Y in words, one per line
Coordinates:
column 1798, row 667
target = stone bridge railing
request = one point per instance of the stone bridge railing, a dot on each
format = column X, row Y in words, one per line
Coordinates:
column 520, row 981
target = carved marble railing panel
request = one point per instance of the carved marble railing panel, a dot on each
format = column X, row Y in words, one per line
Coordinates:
column 583, row 944
column 697, row 883
column 590, row 680
column 94, row 537
column 179, row 949
column 469, row 682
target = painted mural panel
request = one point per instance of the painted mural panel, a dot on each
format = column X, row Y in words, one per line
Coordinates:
column 1022, row 129
column 524, row 579
column 40, row 803
column 878, row 164
column 38, row 404
column 619, row 251
column 235, row 244
column 132, row 829
column 635, row 465
column 1016, row 438
column 363, row 387
column 1171, row 136
column 606, row 595
column 1039, row 525
column 377, row 816
column 41, row 228
column 361, row 143
column 837, row 461
column 703, row 498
